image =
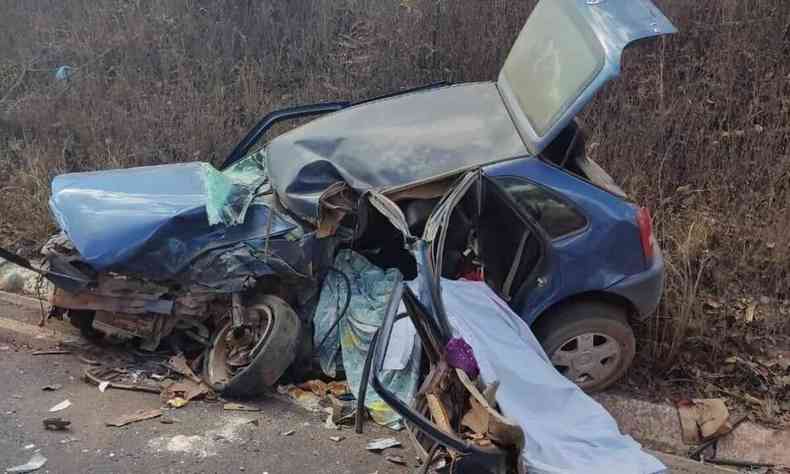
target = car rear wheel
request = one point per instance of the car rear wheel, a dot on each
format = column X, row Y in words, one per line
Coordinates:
column 591, row 343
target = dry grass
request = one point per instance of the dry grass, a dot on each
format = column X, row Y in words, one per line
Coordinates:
column 698, row 128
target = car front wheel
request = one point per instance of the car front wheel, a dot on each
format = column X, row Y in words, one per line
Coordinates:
column 591, row 343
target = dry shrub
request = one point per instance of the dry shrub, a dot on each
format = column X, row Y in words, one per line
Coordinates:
column 698, row 126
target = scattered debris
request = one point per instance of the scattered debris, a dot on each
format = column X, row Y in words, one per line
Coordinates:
column 179, row 364
column 484, row 419
column 139, row 415
column 69, row 440
column 103, row 386
column 337, row 439
column 239, row 407
column 338, row 388
column 36, row 462
column 702, row 419
column 52, row 387
column 88, row 360
column 287, row 433
column 343, row 411
column 380, row 444
column 177, row 402
column 395, row 459
column 329, row 423
column 56, row 424
column 305, row 399
column 60, row 406
column 51, row 352
column 697, row 454
column 97, row 375
column 29, row 447
column 178, row 394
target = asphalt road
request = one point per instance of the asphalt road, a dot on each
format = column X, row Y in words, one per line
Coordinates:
column 202, row 438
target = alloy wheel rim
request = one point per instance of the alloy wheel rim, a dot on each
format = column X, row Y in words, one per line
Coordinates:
column 587, row 358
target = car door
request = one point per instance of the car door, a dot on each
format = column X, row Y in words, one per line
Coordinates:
column 566, row 52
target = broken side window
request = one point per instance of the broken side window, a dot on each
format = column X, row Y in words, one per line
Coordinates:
column 230, row 192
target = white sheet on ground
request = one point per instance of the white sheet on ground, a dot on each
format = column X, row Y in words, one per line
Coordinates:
column 566, row 431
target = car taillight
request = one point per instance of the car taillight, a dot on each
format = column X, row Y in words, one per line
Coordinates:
column 645, row 222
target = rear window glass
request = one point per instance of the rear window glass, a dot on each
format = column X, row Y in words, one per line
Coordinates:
column 554, row 58
column 557, row 217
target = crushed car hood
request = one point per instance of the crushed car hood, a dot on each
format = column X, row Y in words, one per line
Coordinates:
column 392, row 143
column 155, row 220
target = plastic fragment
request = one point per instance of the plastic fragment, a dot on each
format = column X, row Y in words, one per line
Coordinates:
column 36, row 462
column 103, row 386
column 336, row 439
column 378, row 445
column 60, row 406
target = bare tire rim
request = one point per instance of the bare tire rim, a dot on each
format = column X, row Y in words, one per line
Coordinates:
column 588, row 358
column 218, row 372
column 267, row 323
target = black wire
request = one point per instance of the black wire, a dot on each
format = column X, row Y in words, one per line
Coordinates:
column 342, row 313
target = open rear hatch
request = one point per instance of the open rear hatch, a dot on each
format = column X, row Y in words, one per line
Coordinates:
column 566, row 52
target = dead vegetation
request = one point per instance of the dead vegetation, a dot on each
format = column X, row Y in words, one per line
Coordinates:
column 697, row 129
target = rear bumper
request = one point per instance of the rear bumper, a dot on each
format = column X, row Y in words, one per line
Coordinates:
column 644, row 290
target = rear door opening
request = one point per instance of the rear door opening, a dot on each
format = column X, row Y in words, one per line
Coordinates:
column 477, row 233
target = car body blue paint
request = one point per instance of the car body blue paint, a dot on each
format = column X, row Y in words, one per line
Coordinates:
column 604, row 256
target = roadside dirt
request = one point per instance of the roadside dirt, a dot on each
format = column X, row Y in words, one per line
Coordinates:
column 740, row 352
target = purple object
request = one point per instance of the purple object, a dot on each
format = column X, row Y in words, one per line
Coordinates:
column 461, row 356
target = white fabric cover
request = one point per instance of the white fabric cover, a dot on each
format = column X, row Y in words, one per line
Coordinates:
column 566, row 431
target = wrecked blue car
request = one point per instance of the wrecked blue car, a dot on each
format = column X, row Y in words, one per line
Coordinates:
column 543, row 225
column 485, row 182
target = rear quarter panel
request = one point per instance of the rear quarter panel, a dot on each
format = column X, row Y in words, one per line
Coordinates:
column 592, row 259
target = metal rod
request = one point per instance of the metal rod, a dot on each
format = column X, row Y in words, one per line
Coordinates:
column 359, row 420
